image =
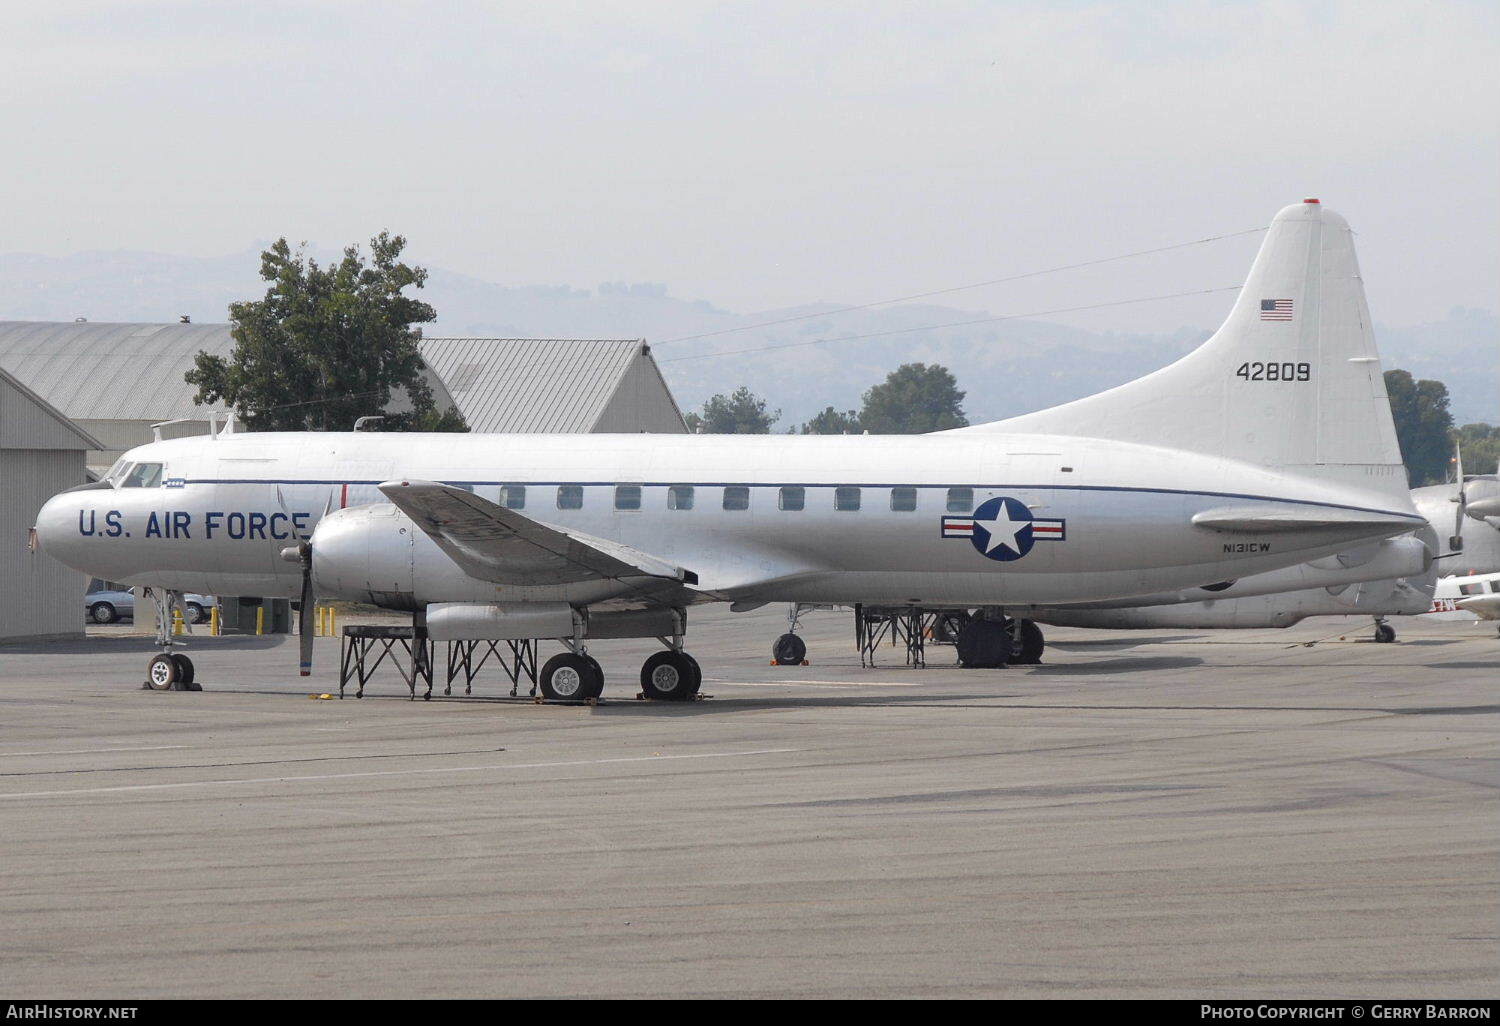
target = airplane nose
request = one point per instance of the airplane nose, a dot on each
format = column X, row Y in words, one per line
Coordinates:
column 61, row 525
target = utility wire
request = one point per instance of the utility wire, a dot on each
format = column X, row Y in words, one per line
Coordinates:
column 960, row 288
column 950, row 324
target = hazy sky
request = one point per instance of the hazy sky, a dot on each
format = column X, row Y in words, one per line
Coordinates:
column 766, row 154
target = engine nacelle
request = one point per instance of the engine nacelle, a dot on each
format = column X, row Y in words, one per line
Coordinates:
column 472, row 621
column 365, row 554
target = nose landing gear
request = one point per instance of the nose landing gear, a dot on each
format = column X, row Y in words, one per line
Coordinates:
column 1384, row 632
column 169, row 671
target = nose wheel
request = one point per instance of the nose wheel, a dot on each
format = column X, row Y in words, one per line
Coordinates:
column 170, row 671
column 1384, row 632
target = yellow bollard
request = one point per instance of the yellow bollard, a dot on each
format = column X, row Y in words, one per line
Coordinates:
column 325, row 620
column 260, row 620
column 176, row 621
column 333, row 622
column 213, row 621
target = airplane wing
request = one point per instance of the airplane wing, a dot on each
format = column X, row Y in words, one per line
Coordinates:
column 492, row 543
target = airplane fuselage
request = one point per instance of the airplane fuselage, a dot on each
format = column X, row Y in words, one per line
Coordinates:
column 954, row 519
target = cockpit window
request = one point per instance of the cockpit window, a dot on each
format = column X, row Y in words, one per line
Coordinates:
column 117, row 472
column 143, row 475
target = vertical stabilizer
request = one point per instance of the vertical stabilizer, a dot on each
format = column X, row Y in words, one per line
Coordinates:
column 1292, row 379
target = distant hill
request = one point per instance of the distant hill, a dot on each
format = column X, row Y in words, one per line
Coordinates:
column 1007, row 367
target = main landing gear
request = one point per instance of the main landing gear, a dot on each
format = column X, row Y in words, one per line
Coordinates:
column 673, row 675
column 576, row 676
column 990, row 640
column 169, row 671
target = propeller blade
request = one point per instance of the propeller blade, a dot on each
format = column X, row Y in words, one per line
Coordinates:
column 305, row 621
column 1456, row 542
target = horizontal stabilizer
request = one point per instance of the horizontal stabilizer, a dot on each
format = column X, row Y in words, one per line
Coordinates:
column 1265, row 520
column 1486, row 607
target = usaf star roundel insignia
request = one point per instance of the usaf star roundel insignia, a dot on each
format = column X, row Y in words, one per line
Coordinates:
column 1003, row 528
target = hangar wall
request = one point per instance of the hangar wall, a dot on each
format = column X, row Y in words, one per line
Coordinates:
column 40, row 455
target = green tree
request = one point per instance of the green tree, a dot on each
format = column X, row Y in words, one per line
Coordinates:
column 740, row 413
column 1481, row 447
column 326, row 345
column 1423, row 425
column 914, row 399
column 832, row 422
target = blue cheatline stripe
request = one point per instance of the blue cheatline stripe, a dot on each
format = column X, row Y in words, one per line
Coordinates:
column 1417, row 517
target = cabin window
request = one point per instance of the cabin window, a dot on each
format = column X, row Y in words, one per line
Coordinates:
column 736, row 497
column 1476, row 588
column 570, row 496
column 680, row 497
column 627, row 496
column 960, row 500
column 792, row 498
column 903, row 499
column 846, row 498
column 143, row 475
column 513, row 496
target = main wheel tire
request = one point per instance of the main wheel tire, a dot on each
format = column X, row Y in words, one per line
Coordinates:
column 161, row 672
column 567, row 677
column 195, row 613
column 789, row 650
column 1385, row 633
column 697, row 672
column 598, row 687
column 983, row 645
column 184, row 669
column 103, row 612
column 669, row 677
column 1032, row 644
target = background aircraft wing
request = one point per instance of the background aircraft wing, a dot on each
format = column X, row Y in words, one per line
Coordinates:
column 493, row 543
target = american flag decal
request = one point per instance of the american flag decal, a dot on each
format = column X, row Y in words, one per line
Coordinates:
column 1275, row 309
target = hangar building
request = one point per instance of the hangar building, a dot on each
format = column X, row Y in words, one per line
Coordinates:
column 115, row 380
column 41, row 453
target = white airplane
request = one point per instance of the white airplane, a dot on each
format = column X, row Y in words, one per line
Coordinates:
column 1269, row 446
column 1396, row 577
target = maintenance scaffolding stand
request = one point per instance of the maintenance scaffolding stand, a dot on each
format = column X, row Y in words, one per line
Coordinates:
column 905, row 626
column 364, row 648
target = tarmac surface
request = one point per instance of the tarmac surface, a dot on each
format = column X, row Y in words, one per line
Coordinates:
column 1160, row 814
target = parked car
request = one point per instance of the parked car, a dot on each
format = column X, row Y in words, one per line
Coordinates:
column 107, row 602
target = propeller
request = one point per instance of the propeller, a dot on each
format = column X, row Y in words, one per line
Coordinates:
column 1456, row 540
column 302, row 553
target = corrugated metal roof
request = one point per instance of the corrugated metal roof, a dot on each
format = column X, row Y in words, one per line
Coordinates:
column 531, row 384
column 102, row 371
column 27, row 421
